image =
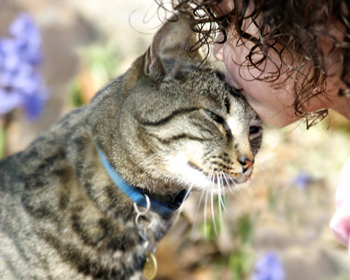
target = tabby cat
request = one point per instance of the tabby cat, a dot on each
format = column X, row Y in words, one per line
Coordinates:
column 90, row 197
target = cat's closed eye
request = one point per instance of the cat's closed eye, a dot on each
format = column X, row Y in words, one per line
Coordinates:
column 254, row 131
column 214, row 116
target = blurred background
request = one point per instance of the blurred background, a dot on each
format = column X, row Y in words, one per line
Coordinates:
column 55, row 55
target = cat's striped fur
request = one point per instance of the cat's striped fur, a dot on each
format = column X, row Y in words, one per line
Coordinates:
column 164, row 125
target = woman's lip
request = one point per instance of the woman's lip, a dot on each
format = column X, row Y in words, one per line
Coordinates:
column 239, row 90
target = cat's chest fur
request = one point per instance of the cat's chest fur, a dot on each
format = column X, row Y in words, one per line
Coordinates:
column 165, row 126
column 70, row 220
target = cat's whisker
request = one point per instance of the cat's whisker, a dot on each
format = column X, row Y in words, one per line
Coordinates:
column 182, row 204
column 236, row 187
column 219, row 180
column 228, row 183
column 241, row 189
column 223, row 180
column 206, row 201
column 200, row 202
column 205, row 212
column 209, row 177
column 222, row 192
column 197, row 212
column 212, row 206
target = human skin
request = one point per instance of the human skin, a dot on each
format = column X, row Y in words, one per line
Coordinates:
column 274, row 104
column 340, row 223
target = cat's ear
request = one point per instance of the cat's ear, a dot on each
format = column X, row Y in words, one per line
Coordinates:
column 172, row 46
column 133, row 74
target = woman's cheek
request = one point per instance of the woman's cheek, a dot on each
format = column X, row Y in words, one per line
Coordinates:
column 274, row 106
column 270, row 110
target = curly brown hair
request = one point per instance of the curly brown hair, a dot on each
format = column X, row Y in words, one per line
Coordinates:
column 292, row 27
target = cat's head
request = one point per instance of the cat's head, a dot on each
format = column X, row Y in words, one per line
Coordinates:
column 182, row 123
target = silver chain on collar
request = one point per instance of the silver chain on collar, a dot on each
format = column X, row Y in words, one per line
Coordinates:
column 150, row 246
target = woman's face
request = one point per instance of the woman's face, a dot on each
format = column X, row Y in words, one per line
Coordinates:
column 273, row 104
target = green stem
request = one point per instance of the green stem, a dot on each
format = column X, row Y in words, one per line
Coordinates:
column 2, row 141
column 3, row 125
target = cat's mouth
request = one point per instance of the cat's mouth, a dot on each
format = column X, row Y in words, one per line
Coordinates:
column 221, row 178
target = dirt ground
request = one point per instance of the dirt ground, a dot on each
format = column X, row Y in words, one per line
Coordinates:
column 285, row 209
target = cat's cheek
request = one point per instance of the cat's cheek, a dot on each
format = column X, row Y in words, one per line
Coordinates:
column 179, row 165
column 256, row 144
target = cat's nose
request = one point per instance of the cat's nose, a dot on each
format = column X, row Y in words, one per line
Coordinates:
column 245, row 162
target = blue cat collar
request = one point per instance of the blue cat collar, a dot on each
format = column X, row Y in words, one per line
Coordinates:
column 138, row 196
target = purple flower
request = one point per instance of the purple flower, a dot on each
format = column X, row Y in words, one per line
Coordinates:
column 21, row 84
column 302, row 180
column 268, row 267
